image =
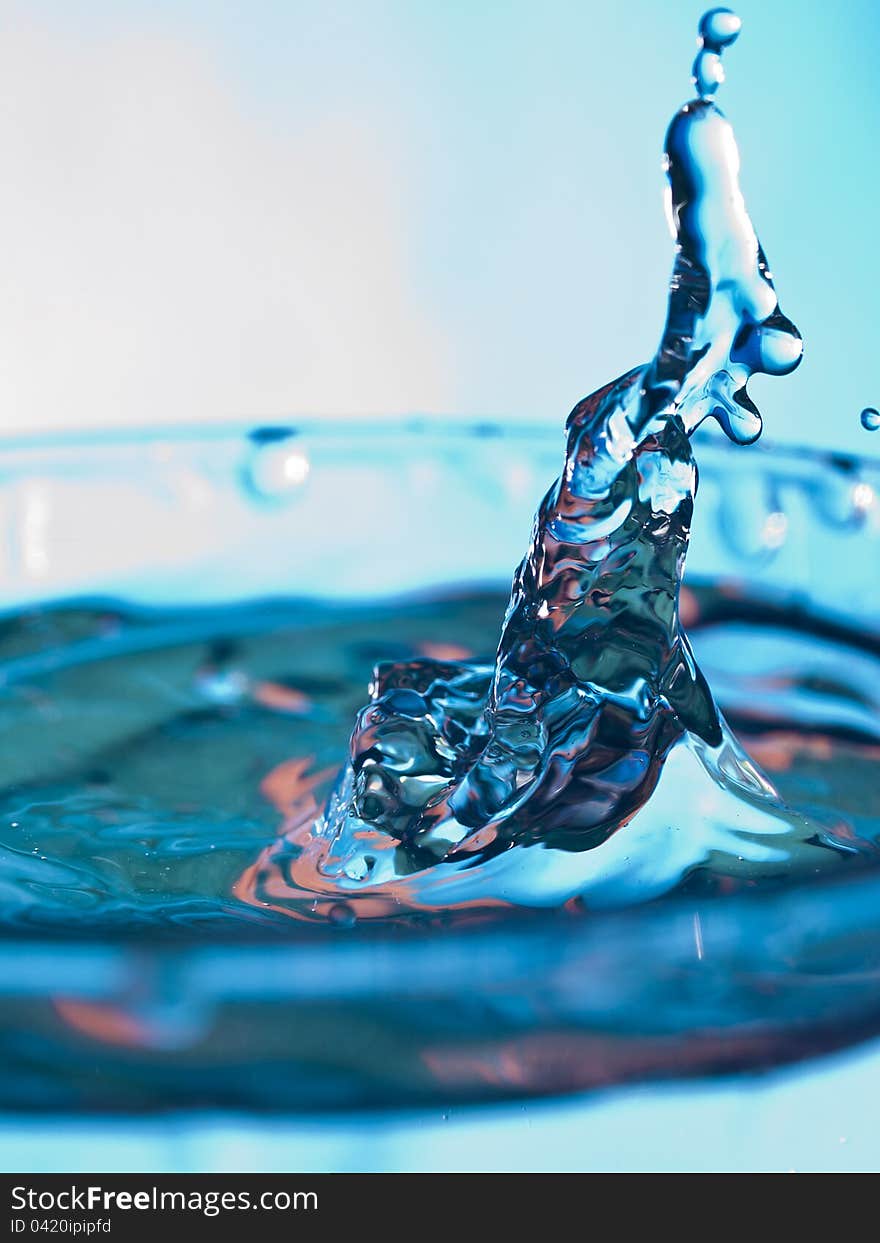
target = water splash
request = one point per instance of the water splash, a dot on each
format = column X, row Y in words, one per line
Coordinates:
column 590, row 762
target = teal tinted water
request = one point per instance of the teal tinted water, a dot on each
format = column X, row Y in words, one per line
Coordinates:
column 160, row 769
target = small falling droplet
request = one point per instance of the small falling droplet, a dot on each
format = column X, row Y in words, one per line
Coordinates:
column 870, row 419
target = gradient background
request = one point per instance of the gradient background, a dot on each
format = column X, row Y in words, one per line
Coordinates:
column 216, row 210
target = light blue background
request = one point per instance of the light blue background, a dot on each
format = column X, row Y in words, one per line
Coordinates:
column 225, row 210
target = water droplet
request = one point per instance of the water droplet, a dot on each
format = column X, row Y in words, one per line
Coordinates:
column 719, row 28
column 277, row 471
column 341, row 915
column 708, row 73
column 870, row 419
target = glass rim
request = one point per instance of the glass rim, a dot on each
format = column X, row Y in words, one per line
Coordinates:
column 445, row 426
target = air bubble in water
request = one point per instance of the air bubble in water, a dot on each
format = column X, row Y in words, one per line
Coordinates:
column 870, row 419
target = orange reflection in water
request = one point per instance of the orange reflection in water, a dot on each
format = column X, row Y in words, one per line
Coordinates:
column 563, row 1062
column 445, row 651
column 290, row 787
column 779, row 750
column 291, row 876
column 104, row 1022
column 280, row 698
